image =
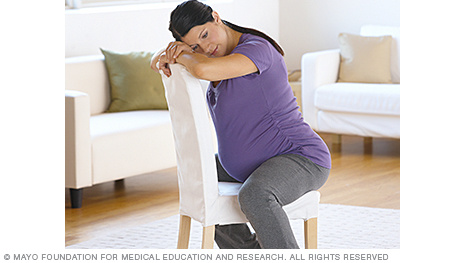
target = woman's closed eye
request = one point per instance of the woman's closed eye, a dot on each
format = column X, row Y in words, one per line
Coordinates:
column 204, row 36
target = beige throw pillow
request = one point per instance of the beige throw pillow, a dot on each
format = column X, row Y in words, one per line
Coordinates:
column 364, row 59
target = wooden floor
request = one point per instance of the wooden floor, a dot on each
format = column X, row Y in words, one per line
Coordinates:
column 363, row 174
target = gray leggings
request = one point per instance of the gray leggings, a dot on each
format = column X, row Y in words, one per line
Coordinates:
column 277, row 182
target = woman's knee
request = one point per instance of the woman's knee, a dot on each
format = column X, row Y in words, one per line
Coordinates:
column 254, row 197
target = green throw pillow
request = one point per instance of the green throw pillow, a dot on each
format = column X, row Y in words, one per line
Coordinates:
column 134, row 85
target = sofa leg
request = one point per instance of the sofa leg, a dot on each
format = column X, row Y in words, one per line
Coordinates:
column 119, row 184
column 76, row 196
column 367, row 140
column 336, row 138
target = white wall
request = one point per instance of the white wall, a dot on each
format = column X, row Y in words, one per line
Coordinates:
column 299, row 26
column 312, row 25
column 144, row 27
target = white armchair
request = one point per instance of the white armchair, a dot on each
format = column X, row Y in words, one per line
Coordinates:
column 364, row 109
column 102, row 147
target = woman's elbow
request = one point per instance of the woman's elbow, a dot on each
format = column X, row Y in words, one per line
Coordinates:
column 198, row 71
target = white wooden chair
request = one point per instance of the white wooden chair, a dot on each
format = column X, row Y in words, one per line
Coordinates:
column 202, row 197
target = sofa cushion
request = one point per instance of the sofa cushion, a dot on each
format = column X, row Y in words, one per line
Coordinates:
column 364, row 59
column 134, row 85
column 134, row 142
column 375, row 30
column 359, row 98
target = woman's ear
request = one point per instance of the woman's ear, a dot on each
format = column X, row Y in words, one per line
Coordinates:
column 216, row 17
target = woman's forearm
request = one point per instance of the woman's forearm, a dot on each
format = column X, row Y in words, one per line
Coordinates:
column 216, row 68
column 194, row 63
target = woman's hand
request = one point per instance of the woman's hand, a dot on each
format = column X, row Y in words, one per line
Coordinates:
column 159, row 62
column 168, row 56
column 174, row 49
column 156, row 59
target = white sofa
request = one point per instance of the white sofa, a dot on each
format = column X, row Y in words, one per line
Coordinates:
column 364, row 109
column 102, row 147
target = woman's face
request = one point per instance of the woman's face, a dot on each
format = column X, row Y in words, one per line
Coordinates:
column 209, row 39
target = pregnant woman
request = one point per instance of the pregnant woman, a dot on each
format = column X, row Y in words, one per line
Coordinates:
column 263, row 141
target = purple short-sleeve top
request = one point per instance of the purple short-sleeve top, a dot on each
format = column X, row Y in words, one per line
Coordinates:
column 256, row 116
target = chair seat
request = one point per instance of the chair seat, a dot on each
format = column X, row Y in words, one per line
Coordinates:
column 228, row 188
column 303, row 208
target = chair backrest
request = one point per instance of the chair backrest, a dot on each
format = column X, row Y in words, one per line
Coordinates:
column 196, row 165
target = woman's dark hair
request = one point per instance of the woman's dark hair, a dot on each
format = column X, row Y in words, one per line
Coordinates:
column 193, row 13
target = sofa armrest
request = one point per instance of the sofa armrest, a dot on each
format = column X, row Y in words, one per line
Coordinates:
column 88, row 74
column 77, row 140
column 318, row 69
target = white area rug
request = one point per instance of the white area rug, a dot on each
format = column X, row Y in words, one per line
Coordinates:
column 339, row 227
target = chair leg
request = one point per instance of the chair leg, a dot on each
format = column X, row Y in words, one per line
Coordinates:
column 310, row 233
column 208, row 237
column 184, row 232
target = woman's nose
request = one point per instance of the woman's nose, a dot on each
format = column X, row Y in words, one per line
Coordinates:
column 206, row 48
